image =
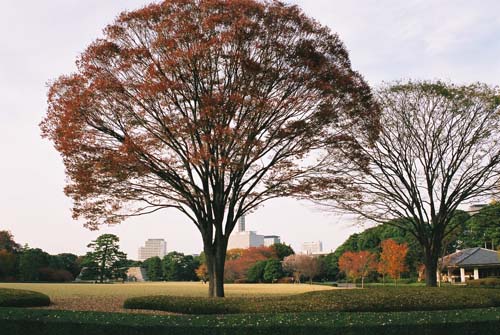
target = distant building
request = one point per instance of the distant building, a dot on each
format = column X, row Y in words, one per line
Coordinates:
column 241, row 223
column 271, row 239
column 473, row 209
column 310, row 248
column 152, row 248
column 245, row 239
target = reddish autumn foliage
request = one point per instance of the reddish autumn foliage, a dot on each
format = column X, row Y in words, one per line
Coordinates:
column 210, row 107
column 302, row 265
column 392, row 258
column 357, row 264
column 237, row 267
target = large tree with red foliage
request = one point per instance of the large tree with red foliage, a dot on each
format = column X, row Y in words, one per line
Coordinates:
column 210, row 107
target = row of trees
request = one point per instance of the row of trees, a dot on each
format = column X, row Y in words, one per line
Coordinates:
column 392, row 262
column 479, row 230
column 175, row 266
column 19, row 263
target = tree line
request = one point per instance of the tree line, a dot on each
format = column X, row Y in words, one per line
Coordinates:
column 23, row 263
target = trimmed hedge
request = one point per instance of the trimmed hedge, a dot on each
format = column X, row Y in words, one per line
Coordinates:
column 367, row 300
column 22, row 298
column 45, row 322
column 485, row 282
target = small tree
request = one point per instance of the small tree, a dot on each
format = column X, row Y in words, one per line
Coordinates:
column 273, row 270
column 357, row 265
column 301, row 265
column 8, row 262
column 30, row 263
column 255, row 273
column 392, row 259
column 202, row 273
column 154, row 268
column 106, row 257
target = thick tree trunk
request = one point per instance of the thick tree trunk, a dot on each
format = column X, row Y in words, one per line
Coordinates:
column 210, row 262
column 431, row 260
column 215, row 255
column 220, row 261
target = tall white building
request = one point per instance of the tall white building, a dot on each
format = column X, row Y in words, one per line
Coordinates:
column 311, row 248
column 153, row 247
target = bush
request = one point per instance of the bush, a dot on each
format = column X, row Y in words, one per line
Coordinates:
column 286, row 280
column 485, row 282
column 240, row 281
column 458, row 322
column 22, row 298
column 55, row 275
column 367, row 300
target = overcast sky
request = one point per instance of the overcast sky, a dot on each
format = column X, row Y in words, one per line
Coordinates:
column 387, row 40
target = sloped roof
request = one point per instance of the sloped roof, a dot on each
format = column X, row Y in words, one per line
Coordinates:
column 472, row 256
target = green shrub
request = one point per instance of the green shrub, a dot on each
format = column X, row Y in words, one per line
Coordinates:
column 367, row 300
column 45, row 322
column 22, row 298
column 485, row 282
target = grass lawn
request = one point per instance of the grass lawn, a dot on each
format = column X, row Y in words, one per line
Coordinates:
column 110, row 297
column 457, row 322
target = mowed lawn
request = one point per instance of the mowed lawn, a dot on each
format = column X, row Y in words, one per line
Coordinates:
column 110, row 297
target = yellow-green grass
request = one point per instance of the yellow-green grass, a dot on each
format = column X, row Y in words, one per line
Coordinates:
column 110, row 297
column 191, row 289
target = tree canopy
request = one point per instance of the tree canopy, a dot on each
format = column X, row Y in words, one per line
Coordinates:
column 210, row 107
column 439, row 147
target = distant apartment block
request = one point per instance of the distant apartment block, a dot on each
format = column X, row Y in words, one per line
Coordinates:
column 311, row 248
column 269, row 240
column 153, row 247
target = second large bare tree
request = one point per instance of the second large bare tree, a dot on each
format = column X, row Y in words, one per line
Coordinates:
column 438, row 148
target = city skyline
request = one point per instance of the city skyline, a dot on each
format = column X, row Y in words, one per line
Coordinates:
column 450, row 42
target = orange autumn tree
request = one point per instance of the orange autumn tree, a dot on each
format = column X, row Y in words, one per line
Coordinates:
column 209, row 107
column 357, row 265
column 243, row 259
column 392, row 259
column 202, row 273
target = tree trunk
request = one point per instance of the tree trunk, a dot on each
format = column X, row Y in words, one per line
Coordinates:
column 220, row 260
column 362, row 282
column 430, row 271
column 215, row 255
column 210, row 262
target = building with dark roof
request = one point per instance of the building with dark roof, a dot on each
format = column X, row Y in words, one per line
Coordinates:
column 472, row 263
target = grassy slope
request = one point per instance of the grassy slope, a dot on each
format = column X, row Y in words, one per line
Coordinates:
column 372, row 299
